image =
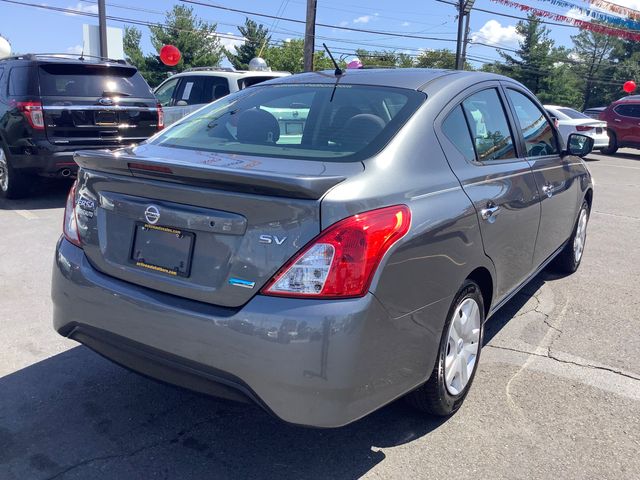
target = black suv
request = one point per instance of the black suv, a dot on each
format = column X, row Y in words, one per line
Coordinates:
column 52, row 105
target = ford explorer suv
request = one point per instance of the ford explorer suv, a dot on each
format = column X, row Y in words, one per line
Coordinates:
column 53, row 105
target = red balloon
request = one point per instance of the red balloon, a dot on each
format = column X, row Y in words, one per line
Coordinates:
column 629, row 86
column 170, row 55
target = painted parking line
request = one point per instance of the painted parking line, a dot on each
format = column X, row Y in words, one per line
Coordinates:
column 26, row 214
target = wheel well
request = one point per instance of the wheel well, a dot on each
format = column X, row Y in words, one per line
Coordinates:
column 483, row 278
column 589, row 197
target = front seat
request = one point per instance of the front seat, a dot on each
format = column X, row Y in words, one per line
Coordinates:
column 258, row 126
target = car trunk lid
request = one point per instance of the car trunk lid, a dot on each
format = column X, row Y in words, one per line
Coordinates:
column 208, row 227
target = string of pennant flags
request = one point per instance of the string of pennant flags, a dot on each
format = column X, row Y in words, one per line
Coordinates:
column 597, row 15
column 585, row 25
column 615, row 8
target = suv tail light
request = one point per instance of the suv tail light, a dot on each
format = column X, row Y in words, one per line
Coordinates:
column 341, row 261
column 70, row 222
column 33, row 112
column 160, row 117
column 584, row 128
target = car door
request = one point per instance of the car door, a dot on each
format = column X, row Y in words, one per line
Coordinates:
column 479, row 144
column 555, row 175
column 165, row 94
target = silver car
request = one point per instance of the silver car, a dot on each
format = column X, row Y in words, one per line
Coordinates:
column 322, row 268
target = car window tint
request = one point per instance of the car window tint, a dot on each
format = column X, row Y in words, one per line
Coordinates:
column 22, row 81
column 457, row 131
column 489, row 126
column 538, row 133
column 571, row 113
column 303, row 121
column 215, row 88
column 628, row 110
column 191, row 91
column 164, row 93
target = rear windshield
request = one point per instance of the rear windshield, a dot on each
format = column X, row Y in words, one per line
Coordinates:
column 571, row 113
column 341, row 123
column 92, row 81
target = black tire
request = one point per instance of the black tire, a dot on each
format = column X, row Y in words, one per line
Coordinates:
column 613, row 144
column 433, row 397
column 13, row 183
column 566, row 261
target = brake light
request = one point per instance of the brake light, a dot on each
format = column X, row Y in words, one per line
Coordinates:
column 341, row 261
column 70, row 222
column 584, row 128
column 33, row 113
column 160, row 117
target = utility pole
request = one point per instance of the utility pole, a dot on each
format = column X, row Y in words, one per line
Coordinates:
column 102, row 27
column 464, row 9
column 310, row 35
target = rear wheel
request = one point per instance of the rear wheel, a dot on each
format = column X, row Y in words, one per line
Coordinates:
column 13, row 184
column 613, row 144
column 458, row 355
column 568, row 260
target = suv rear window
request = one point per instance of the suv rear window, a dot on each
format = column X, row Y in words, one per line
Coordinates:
column 72, row 80
column 341, row 123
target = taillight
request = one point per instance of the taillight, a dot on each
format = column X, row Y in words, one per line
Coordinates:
column 33, row 113
column 160, row 117
column 70, row 223
column 341, row 261
column 584, row 128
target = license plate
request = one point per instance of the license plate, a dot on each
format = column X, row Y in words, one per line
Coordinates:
column 598, row 130
column 163, row 249
column 106, row 118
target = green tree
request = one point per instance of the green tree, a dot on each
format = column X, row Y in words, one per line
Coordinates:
column 383, row 58
column 289, row 57
column 256, row 40
column 533, row 62
column 195, row 38
column 440, row 58
column 405, row 60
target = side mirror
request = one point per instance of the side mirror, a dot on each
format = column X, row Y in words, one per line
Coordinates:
column 579, row 145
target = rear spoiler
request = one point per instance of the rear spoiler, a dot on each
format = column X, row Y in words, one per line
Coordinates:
column 241, row 177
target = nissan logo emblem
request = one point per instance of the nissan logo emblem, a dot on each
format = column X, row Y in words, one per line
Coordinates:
column 152, row 214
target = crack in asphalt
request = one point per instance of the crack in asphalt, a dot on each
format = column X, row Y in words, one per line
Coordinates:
column 617, row 215
column 132, row 453
column 561, row 360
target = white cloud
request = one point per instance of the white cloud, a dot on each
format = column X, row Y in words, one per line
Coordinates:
column 363, row 19
column 82, row 7
column 343, row 23
column 76, row 49
column 230, row 41
column 405, row 24
column 578, row 15
column 494, row 33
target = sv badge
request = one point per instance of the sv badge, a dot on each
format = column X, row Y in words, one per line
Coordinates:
column 269, row 239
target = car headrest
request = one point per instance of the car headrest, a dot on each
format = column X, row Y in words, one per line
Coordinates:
column 257, row 126
column 360, row 130
column 220, row 91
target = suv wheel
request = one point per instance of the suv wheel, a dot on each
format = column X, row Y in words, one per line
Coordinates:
column 458, row 355
column 613, row 144
column 12, row 183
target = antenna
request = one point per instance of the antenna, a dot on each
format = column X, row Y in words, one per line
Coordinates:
column 82, row 52
column 338, row 70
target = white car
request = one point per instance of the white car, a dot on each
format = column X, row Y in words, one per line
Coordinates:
column 570, row 121
column 185, row 92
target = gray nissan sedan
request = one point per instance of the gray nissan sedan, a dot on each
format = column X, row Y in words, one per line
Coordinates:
column 322, row 244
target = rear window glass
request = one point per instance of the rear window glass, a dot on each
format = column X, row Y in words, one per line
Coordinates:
column 58, row 80
column 571, row 113
column 310, row 122
column 248, row 81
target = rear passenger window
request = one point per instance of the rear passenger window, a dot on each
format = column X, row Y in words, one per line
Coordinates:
column 456, row 129
column 538, row 134
column 22, row 81
column 628, row 110
column 191, row 91
column 489, row 126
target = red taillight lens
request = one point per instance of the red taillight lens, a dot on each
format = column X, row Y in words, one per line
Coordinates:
column 70, row 223
column 584, row 128
column 33, row 113
column 341, row 261
column 160, row 117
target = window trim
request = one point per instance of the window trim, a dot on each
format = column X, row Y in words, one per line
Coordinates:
column 516, row 122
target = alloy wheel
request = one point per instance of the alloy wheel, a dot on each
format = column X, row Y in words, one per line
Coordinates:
column 581, row 235
column 4, row 172
column 463, row 346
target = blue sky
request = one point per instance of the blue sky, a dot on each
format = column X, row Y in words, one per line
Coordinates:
column 33, row 30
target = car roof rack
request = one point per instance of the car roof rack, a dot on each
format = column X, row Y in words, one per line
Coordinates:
column 35, row 56
column 216, row 69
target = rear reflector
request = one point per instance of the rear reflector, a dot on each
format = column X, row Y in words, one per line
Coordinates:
column 341, row 261
column 70, row 222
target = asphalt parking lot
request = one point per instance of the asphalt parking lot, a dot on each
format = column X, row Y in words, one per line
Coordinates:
column 557, row 394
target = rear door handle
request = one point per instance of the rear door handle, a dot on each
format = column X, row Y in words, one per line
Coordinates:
column 490, row 212
column 617, row 120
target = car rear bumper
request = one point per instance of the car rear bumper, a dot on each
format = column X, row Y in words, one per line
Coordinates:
column 319, row 363
column 600, row 140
